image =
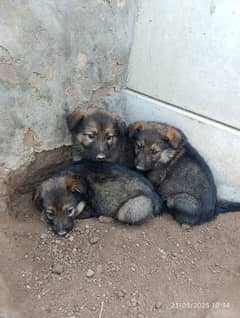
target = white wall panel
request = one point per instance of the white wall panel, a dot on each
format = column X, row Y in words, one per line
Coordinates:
column 188, row 53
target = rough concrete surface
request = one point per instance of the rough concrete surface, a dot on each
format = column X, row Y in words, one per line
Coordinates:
column 56, row 56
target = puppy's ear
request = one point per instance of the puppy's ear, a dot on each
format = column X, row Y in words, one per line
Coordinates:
column 37, row 196
column 121, row 125
column 134, row 128
column 76, row 184
column 174, row 137
column 74, row 118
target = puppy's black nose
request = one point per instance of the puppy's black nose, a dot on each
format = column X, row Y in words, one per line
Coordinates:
column 59, row 230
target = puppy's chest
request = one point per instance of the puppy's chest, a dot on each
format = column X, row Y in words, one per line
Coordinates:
column 186, row 176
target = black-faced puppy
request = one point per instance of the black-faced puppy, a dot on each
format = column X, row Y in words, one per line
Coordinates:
column 61, row 198
column 178, row 172
column 89, row 189
column 100, row 136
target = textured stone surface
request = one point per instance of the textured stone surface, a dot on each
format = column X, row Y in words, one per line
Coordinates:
column 56, row 56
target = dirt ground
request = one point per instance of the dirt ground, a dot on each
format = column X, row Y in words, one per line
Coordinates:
column 104, row 269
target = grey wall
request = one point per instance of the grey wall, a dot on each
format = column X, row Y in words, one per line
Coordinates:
column 56, row 56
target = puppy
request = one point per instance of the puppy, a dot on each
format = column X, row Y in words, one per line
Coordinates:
column 178, row 172
column 62, row 198
column 100, row 136
column 90, row 189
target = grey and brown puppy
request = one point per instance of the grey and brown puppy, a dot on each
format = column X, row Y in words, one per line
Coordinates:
column 100, row 136
column 178, row 172
column 89, row 189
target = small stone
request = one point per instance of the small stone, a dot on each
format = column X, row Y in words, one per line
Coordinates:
column 163, row 254
column 43, row 236
column 90, row 273
column 93, row 239
column 105, row 219
column 134, row 302
column 71, row 238
column 120, row 294
column 186, row 227
column 57, row 269
column 158, row 305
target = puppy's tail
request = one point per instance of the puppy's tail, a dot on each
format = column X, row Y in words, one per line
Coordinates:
column 226, row 206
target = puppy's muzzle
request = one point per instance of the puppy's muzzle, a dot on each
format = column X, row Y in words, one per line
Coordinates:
column 62, row 230
column 101, row 156
column 62, row 233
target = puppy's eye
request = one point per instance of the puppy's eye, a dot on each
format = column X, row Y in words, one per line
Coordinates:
column 138, row 146
column 155, row 151
column 50, row 214
column 91, row 136
column 109, row 138
column 70, row 211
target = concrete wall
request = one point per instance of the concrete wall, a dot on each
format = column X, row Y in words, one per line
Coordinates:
column 56, row 56
column 184, row 70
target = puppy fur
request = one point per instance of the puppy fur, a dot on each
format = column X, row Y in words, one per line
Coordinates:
column 100, row 136
column 178, row 172
column 91, row 189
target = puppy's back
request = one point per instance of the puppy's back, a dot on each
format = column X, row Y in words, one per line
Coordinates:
column 110, row 185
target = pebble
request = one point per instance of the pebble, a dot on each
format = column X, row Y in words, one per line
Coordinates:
column 57, row 269
column 120, row 294
column 134, row 302
column 158, row 305
column 105, row 219
column 90, row 273
column 93, row 239
column 163, row 254
column 43, row 236
column 186, row 227
column 71, row 238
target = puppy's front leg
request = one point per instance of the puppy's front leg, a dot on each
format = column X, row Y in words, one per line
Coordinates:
column 87, row 213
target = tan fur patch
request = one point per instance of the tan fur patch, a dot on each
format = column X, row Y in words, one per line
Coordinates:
column 73, row 184
column 174, row 136
column 134, row 127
